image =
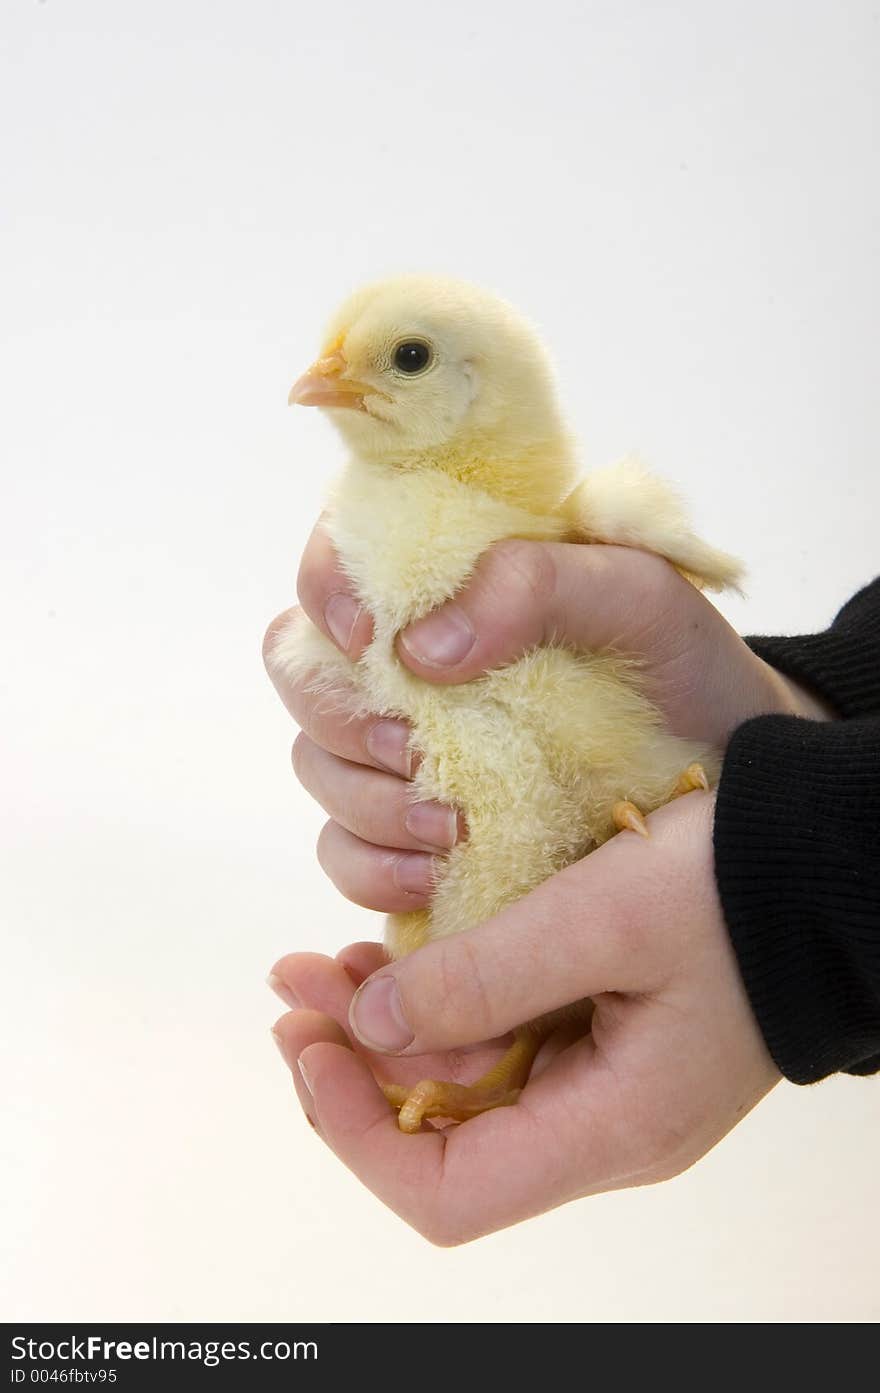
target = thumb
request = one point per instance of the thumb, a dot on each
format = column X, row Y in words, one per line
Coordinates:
column 593, row 598
column 605, row 924
column 526, row 593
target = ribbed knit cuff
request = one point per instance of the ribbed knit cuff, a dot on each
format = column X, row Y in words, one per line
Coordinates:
column 843, row 664
column 798, row 871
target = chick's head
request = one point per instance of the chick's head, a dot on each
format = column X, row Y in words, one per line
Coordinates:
column 421, row 370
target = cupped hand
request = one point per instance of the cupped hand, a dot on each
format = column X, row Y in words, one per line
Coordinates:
column 379, row 846
column 673, row 1059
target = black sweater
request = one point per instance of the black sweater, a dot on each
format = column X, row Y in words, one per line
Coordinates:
column 797, row 853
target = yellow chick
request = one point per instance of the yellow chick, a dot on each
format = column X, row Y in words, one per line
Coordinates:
column 447, row 402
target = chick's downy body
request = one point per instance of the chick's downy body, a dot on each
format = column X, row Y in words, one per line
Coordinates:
column 448, row 404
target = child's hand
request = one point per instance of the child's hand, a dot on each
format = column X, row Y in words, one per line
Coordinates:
column 673, row 1061
column 378, row 845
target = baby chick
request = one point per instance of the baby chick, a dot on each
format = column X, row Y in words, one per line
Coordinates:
column 447, row 403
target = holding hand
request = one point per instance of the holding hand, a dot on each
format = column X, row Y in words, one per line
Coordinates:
column 674, row 1057
column 673, row 1061
column 378, row 846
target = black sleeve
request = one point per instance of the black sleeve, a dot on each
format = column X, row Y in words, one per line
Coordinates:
column 797, row 853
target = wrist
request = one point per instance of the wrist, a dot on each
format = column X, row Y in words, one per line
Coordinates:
column 797, row 700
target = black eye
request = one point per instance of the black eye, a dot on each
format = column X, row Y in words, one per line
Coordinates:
column 412, row 356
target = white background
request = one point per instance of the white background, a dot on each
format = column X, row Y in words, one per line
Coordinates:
column 684, row 197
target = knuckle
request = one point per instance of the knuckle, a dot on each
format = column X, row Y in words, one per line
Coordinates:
column 371, row 809
column 279, row 624
column 299, row 756
column 670, row 1155
column 461, row 989
column 329, row 715
column 322, row 712
column 311, row 578
column 334, row 864
column 301, row 704
column 361, row 814
column 441, row 1233
column 673, row 1138
column 324, row 848
column 655, row 590
column 318, row 572
column 445, row 1221
column 645, row 568
column 529, row 566
column 307, row 591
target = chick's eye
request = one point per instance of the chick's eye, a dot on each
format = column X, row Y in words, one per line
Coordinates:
column 412, row 356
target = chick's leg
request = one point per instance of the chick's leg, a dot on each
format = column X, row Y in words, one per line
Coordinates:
column 498, row 1088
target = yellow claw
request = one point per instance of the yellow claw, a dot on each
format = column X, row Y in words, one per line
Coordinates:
column 692, row 778
column 626, row 817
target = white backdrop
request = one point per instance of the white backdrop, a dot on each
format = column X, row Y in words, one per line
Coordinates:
column 684, row 197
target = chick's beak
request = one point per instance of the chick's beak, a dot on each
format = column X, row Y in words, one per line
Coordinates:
column 326, row 385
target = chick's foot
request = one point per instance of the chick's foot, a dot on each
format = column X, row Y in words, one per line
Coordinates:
column 498, row 1088
column 692, row 778
column 430, row 1098
column 627, row 817
column 396, row 1093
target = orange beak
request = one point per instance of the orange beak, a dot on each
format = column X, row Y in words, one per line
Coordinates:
column 325, row 384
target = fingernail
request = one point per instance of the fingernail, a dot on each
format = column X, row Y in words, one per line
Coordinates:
column 387, row 742
column 340, row 615
column 280, row 988
column 377, row 1016
column 279, row 1041
column 414, row 873
column 353, row 977
column 433, row 824
column 442, row 639
column 305, row 1075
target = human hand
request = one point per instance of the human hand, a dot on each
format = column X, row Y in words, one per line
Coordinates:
column 672, row 1061
column 377, row 847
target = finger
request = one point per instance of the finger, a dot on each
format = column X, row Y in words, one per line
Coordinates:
column 527, row 593
column 591, row 598
column 315, row 982
column 324, row 984
column 357, row 1122
column 603, row 925
column 375, row 806
column 390, row 881
column 326, row 594
column 568, row 1135
column 360, row 960
column 294, row 1033
column 331, row 717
